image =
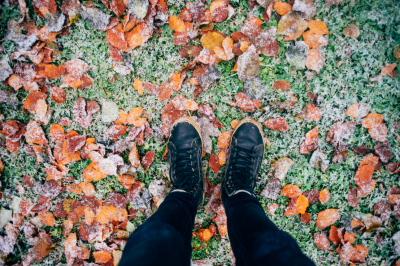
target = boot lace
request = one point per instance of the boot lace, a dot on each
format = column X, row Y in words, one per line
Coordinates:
column 185, row 169
column 242, row 169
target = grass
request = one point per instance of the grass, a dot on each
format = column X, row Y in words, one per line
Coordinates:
column 337, row 85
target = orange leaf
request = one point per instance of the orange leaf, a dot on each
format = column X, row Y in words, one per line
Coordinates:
column 291, row 191
column 281, row 85
column 47, row 218
column 327, row 218
column 318, row 27
column 101, row 256
column 314, row 40
column 213, row 163
column 252, row 27
column 35, row 134
column 277, row 124
column 87, row 188
column 57, row 133
column 372, row 120
column 134, row 156
column 221, row 157
column 176, row 24
column 115, row 37
column 138, row 85
column 315, row 60
column 138, row 36
column 224, row 140
column 324, row 196
column 282, row 8
column 302, row 204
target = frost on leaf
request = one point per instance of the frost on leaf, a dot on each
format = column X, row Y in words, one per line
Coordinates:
column 383, row 151
column 57, row 94
column 248, row 64
column 315, row 60
column 371, row 222
column 109, row 110
column 96, row 17
column 266, row 3
column 332, row 2
column 245, row 103
column 83, row 111
column 318, row 27
column 273, row 207
column 5, row 70
column 207, row 131
column 292, row 25
column 382, row 210
column 321, row 241
column 168, row 116
column 209, row 77
column 35, row 134
column 281, row 85
column 266, row 43
column 254, row 89
column 324, row 196
column 14, row 33
column 358, row 110
column 252, row 27
column 208, row 112
column 277, row 124
column 314, row 40
column 291, row 191
column 282, row 8
column 158, row 190
column 138, row 36
column 138, row 7
column 291, row 209
column 319, row 160
column 338, row 132
column 197, row 10
column 385, row 71
column 297, row 54
column 76, row 67
column 281, row 167
column 54, row 21
column 352, row 31
column 327, row 218
column 121, row 68
column 148, row 159
column 311, row 141
column 352, row 198
column 272, row 189
column 305, row 7
column 115, row 37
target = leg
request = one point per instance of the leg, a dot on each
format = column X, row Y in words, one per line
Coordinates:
column 165, row 236
column 255, row 239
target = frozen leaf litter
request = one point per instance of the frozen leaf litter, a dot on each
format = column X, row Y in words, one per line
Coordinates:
column 83, row 168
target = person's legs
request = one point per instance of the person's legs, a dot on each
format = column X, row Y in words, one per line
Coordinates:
column 165, row 238
column 255, row 239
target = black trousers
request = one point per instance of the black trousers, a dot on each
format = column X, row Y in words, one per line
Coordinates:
column 165, row 238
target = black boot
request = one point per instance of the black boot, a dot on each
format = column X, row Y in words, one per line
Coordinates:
column 245, row 158
column 185, row 148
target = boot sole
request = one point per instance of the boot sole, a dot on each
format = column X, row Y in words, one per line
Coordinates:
column 191, row 121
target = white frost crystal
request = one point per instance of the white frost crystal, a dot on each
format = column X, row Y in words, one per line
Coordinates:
column 5, row 70
column 5, row 217
column 15, row 205
column 108, row 167
column 109, row 111
column 96, row 17
column 158, row 189
column 319, row 160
